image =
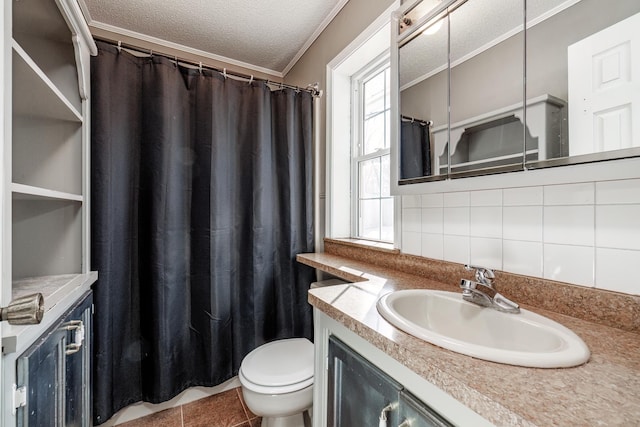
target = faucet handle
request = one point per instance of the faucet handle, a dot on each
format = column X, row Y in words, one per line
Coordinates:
column 483, row 275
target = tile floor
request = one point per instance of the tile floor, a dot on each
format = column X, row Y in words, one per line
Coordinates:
column 226, row 409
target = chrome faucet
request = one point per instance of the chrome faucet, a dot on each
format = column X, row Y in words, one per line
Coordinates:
column 483, row 293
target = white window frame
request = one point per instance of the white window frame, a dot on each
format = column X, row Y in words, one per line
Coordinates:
column 373, row 68
column 335, row 203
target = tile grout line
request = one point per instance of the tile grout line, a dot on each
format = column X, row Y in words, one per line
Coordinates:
column 244, row 409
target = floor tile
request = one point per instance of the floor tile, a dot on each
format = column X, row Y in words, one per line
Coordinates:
column 221, row 410
column 167, row 418
column 250, row 414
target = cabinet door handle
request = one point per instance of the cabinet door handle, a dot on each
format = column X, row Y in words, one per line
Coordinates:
column 26, row 310
column 383, row 414
column 77, row 327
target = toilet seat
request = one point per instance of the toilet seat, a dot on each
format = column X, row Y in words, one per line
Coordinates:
column 278, row 367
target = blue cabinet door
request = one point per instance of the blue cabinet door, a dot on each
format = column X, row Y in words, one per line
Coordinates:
column 360, row 394
column 55, row 371
column 358, row 391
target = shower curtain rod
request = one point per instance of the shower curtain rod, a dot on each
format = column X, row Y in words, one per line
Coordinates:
column 413, row 119
column 312, row 88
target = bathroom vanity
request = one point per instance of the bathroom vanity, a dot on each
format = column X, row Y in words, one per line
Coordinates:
column 461, row 389
column 361, row 385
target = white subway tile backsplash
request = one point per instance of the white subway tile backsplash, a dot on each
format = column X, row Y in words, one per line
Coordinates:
column 522, row 223
column 618, row 192
column 570, row 194
column 566, row 263
column 585, row 233
column 486, row 252
column 522, row 196
column 456, row 221
column 522, row 257
column 456, row 249
column 411, row 243
column 433, row 200
column 432, row 246
column 618, row 226
column 411, row 202
column 486, row 198
column 569, row 225
column 455, row 200
column 616, row 270
column 432, row 220
column 485, row 222
column 412, row 220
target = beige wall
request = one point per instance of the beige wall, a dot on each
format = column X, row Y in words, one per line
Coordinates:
column 352, row 20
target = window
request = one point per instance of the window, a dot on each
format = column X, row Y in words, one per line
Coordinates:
column 361, row 61
column 372, row 203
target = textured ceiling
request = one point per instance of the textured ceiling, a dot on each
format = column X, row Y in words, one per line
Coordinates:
column 266, row 34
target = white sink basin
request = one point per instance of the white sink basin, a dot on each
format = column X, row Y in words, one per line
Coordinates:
column 446, row 320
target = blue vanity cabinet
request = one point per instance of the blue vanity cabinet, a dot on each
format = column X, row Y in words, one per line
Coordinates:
column 56, row 370
column 360, row 394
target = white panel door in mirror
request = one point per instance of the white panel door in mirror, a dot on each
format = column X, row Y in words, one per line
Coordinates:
column 604, row 89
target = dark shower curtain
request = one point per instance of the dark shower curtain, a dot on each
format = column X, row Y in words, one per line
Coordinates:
column 415, row 149
column 201, row 198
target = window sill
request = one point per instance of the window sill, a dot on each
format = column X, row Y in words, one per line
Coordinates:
column 368, row 244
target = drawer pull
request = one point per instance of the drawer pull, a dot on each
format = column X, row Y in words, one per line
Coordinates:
column 77, row 327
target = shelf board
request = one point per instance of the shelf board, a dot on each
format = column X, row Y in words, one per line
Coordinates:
column 34, row 94
column 60, row 292
column 28, row 192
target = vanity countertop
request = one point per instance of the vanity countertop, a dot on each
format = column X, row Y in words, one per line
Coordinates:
column 603, row 392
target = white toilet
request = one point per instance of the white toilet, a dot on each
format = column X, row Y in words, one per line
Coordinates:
column 277, row 382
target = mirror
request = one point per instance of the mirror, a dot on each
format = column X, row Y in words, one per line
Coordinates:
column 486, row 50
column 461, row 72
column 583, row 58
column 424, row 87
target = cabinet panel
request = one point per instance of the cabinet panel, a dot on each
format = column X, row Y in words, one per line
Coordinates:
column 78, row 371
column 40, row 371
column 47, row 238
column 414, row 413
column 35, row 94
column 55, row 375
column 47, row 153
column 44, row 34
column 358, row 391
column 360, row 394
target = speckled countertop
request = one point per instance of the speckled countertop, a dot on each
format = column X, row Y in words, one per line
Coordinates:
column 603, row 392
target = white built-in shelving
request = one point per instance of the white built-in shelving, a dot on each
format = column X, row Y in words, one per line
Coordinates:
column 45, row 157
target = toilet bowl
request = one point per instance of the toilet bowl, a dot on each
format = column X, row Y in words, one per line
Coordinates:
column 277, row 382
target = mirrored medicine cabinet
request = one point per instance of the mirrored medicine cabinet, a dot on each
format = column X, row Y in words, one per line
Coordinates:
column 494, row 86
